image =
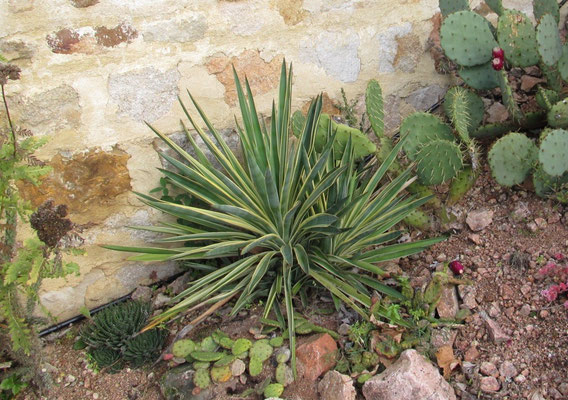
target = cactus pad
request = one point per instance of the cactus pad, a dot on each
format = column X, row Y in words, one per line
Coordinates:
column 451, row 6
column 496, row 6
column 201, row 365
column 240, row 346
column 183, row 347
column 465, row 109
column 418, row 219
column 201, row 378
column 438, row 161
column 480, row 77
column 517, row 38
column 546, row 98
column 553, row 153
column 208, row 344
column 225, row 360
column 546, row 185
column 221, row 374
column 558, row 115
column 467, row 39
column 461, row 184
column 255, row 367
column 284, row 374
column 261, row 350
column 273, row 390
column 226, row 343
column 511, row 159
column 422, row 128
column 206, row 356
column 542, row 7
column 362, row 145
column 276, row 341
column 563, row 63
column 374, row 106
column 548, row 39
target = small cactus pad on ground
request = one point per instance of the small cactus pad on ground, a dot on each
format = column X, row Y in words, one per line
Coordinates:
column 553, row 153
column 451, row 6
column 183, row 347
column 221, row 374
column 225, row 360
column 261, row 350
column 201, row 378
column 208, row 344
column 273, row 390
column 241, row 345
column 467, row 39
column 511, row 159
column 543, row 7
column 255, row 367
column 206, row 356
column 422, row 128
column 480, row 77
column 546, row 185
column 438, row 162
column 276, row 341
column 517, row 38
column 548, row 39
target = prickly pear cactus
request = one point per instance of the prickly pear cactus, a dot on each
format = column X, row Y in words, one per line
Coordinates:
column 563, row 63
column 422, row 128
column 553, row 153
column 362, row 145
column 201, row 365
column 273, row 390
column 255, row 367
column 221, row 374
column 548, row 39
column 206, row 356
column 480, row 77
column 467, row 39
column 284, row 374
column 241, row 345
column 451, row 6
column 546, row 185
column 511, row 159
column 558, row 115
column 374, row 106
column 546, row 98
column 182, row 348
column 201, row 378
column 276, row 341
column 461, row 184
column 465, row 110
column 496, row 6
column 517, row 38
column 438, row 162
column 225, row 360
column 418, row 219
column 543, row 7
column 261, row 350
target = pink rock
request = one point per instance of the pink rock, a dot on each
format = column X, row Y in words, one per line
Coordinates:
column 448, row 305
column 336, row 386
column 489, row 384
column 479, row 219
column 489, row 369
column 316, row 356
column 411, row 377
column 495, row 332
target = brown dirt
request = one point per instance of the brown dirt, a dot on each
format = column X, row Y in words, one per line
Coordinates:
column 523, row 224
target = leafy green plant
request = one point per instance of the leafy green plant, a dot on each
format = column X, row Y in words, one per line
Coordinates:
column 289, row 213
column 113, row 340
column 11, row 386
column 24, row 266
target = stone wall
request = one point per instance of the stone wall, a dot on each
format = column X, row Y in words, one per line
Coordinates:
column 95, row 70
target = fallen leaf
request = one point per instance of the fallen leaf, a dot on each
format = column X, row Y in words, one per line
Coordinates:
column 446, row 360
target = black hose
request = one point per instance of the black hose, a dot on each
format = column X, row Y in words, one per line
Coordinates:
column 77, row 318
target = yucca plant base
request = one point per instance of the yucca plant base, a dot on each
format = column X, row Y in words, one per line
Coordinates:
column 290, row 215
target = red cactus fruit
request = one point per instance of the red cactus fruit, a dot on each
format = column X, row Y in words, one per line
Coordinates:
column 498, row 53
column 497, row 64
column 456, row 267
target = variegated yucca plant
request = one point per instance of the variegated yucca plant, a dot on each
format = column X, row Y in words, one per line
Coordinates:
column 288, row 214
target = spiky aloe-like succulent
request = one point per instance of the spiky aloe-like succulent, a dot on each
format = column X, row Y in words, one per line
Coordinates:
column 112, row 338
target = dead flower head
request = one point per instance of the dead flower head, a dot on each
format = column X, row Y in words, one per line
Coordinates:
column 9, row 71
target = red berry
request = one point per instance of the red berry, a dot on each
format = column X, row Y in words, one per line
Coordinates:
column 456, row 267
column 498, row 53
column 559, row 256
column 497, row 64
column 168, row 356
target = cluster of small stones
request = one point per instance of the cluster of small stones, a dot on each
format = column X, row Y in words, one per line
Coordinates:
column 94, row 71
